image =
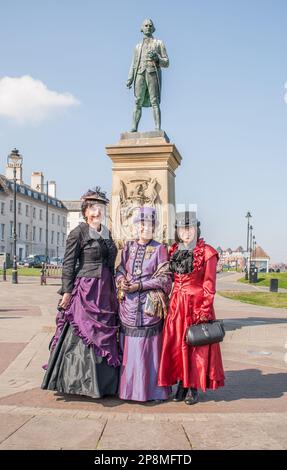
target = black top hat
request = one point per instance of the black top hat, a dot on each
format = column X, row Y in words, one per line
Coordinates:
column 185, row 219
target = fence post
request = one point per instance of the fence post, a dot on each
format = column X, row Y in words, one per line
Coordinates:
column 4, row 271
column 43, row 275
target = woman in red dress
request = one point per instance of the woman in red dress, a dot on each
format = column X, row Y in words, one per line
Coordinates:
column 193, row 263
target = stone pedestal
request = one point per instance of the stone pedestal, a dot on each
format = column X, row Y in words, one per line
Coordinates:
column 144, row 167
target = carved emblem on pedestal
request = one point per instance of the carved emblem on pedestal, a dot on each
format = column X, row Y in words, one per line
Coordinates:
column 135, row 192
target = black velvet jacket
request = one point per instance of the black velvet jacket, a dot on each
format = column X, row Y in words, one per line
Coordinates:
column 87, row 251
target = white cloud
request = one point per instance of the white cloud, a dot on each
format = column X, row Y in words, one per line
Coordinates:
column 25, row 99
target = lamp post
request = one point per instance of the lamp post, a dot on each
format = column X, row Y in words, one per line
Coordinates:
column 14, row 160
column 248, row 216
column 41, row 187
column 254, row 248
column 250, row 247
column 47, row 222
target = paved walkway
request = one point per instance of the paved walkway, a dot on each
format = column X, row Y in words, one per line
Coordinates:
column 229, row 281
column 250, row 412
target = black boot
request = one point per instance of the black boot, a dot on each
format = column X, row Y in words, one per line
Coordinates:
column 180, row 392
column 192, row 396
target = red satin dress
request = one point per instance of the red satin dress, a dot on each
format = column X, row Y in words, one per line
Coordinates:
column 191, row 302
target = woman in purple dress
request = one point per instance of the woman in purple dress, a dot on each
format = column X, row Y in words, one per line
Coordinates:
column 144, row 282
column 84, row 356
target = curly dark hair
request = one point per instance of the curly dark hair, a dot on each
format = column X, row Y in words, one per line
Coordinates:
column 86, row 204
column 92, row 197
column 198, row 233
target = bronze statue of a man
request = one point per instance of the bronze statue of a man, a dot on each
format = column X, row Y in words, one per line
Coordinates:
column 145, row 72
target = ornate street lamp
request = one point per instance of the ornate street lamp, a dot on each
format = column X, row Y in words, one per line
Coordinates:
column 248, row 216
column 14, row 161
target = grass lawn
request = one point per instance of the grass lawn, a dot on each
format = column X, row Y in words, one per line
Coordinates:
column 24, row 271
column 266, row 299
column 264, row 279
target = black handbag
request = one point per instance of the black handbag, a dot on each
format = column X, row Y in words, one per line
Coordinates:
column 205, row 333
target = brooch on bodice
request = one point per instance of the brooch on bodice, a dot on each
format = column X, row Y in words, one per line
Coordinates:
column 149, row 252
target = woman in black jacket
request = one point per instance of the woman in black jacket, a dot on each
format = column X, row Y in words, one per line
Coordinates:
column 84, row 351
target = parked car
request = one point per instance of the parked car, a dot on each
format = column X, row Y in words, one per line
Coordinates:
column 56, row 261
column 21, row 262
column 35, row 261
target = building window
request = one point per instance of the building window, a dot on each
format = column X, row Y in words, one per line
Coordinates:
column 27, row 210
column 34, row 212
column 11, row 205
column 64, row 221
column 53, row 218
column 63, row 239
column 2, row 208
column 19, row 208
column 11, row 229
column 59, row 220
column 41, row 214
column 52, row 237
column 19, row 229
column 58, row 238
column 2, row 231
column 40, row 234
column 34, row 234
column 27, row 232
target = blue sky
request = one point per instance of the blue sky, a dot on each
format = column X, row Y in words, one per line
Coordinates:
column 222, row 103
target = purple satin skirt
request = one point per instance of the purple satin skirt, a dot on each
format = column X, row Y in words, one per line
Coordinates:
column 139, row 370
column 93, row 314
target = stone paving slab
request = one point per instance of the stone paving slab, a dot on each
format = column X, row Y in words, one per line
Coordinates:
column 238, row 432
column 138, row 435
column 50, row 432
column 10, row 424
column 9, row 352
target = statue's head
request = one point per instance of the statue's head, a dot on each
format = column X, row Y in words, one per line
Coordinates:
column 147, row 27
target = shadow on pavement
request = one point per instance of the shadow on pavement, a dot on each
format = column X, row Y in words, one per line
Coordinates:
column 249, row 384
column 107, row 402
column 231, row 324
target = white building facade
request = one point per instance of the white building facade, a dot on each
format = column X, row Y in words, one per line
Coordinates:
column 31, row 209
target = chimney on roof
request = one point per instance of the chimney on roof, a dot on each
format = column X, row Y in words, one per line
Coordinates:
column 52, row 188
column 37, row 181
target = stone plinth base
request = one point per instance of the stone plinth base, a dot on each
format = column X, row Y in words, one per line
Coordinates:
column 144, row 167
